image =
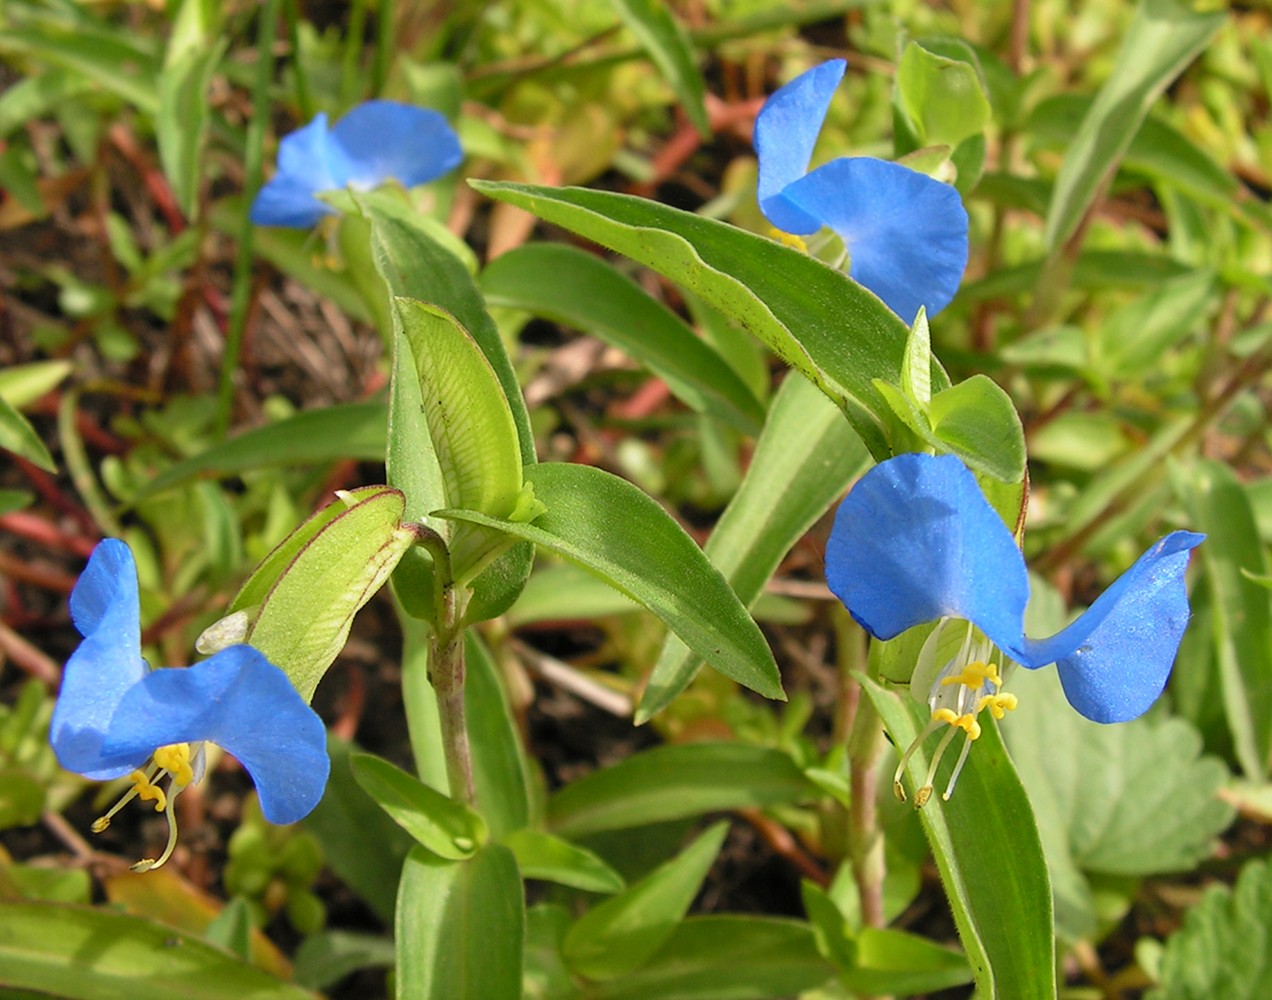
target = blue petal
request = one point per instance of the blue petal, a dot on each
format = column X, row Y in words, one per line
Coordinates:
column 308, row 162
column 385, row 139
column 906, row 233
column 785, row 133
column 1115, row 658
column 915, row 540
column 243, row 703
column 105, row 610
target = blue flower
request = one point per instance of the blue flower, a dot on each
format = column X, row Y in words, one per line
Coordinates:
column 915, row 541
column 906, row 234
column 374, row 142
column 114, row 713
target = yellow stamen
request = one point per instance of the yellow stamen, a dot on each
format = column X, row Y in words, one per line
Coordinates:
column 998, row 704
column 150, row 864
column 148, row 791
column 175, row 759
column 788, row 239
column 975, row 675
column 966, row 722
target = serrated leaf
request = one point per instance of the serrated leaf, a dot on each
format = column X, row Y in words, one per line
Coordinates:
column 806, row 457
column 651, row 560
column 677, row 782
column 668, row 45
column 571, row 286
column 1224, row 948
column 460, row 927
column 619, row 935
column 815, row 318
column 447, row 828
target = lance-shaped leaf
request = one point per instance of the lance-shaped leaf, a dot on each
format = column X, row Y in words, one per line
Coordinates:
column 671, row 50
column 817, row 319
column 608, row 526
column 298, row 607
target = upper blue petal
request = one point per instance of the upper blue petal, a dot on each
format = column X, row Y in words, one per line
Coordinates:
column 915, row 540
column 308, row 162
column 906, row 233
column 785, row 133
column 1115, row 658
column 105, row 609
column 240, row 701
column 384, row 139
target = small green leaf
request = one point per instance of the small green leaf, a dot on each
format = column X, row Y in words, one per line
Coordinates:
column 460, row 927
column 675, row 782
column 944, row 98
column 1224, row 948
column 651, row 560
column 668, row 45
column 44, row 948
column 302, row 599
column 447, row 828
column 805, row 458
column 818, row 320
column 916, row 368
column 977, row 421
column 621, row 934
column 21, row 385
column 574, row 287
column 194, row 50
column 544, row 856
column 19, row 437
column 893, row 961
column 1164, row 37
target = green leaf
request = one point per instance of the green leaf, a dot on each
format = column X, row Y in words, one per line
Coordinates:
column 415, row 265
column 573, row 287
column 817, row 319
column 621, row 934
column 544, row 856
column 986, row 847
column 21, row 797
column 88, row 953
column 460, row 927
column 892, row 961
column 675, row 782
column 1224, row 948
column 651, row 560
column 727, row 958
column 668, row 45
column 565, row 591
column 447, row 828
column 323, row 959
column 1164, row 37
column 194, row 51
column 21, row 385
column 1132, row 799
column 499, row 766
column 1131, row 340
column 94, row 50
column 977, row 421
column 300, row 603
column 1241, row 617
column 349, row 430
column 805, row 458
column 944, row 98
column 19, row 437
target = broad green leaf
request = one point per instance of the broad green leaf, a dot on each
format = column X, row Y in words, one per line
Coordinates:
column 1241, row 617
column 415, row 265
column 892, row 961
column 44, row 885
column 651, row 560
column 818, row 320
column 194, row 50
column 447, row 828
column 88, row 953
column 19, row 437
column 622, row 933
column 668, row 45
column 1224, row 948
column 727, row 958
column 674, row 782
column 544, row 856
column 574, row 287
column 349, row 430
column 977, row 421
column 1164, row 37
column 315, row 588
column 460, row 927
column 21, row 385
column 805, row 458
column 944, row 98
column 986, row 847
column 1132, row 799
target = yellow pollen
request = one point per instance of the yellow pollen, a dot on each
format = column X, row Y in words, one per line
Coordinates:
column 175, row 759
column 998, row 704
column 147, row 791
column 966, row 722
column 788, row 239
column 975, row 675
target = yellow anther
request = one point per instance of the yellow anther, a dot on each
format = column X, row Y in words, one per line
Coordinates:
column 966, row 722
column 998, row 704
column 147, row 791
column 975, row 675
column 788, row 239
column 175, row 759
